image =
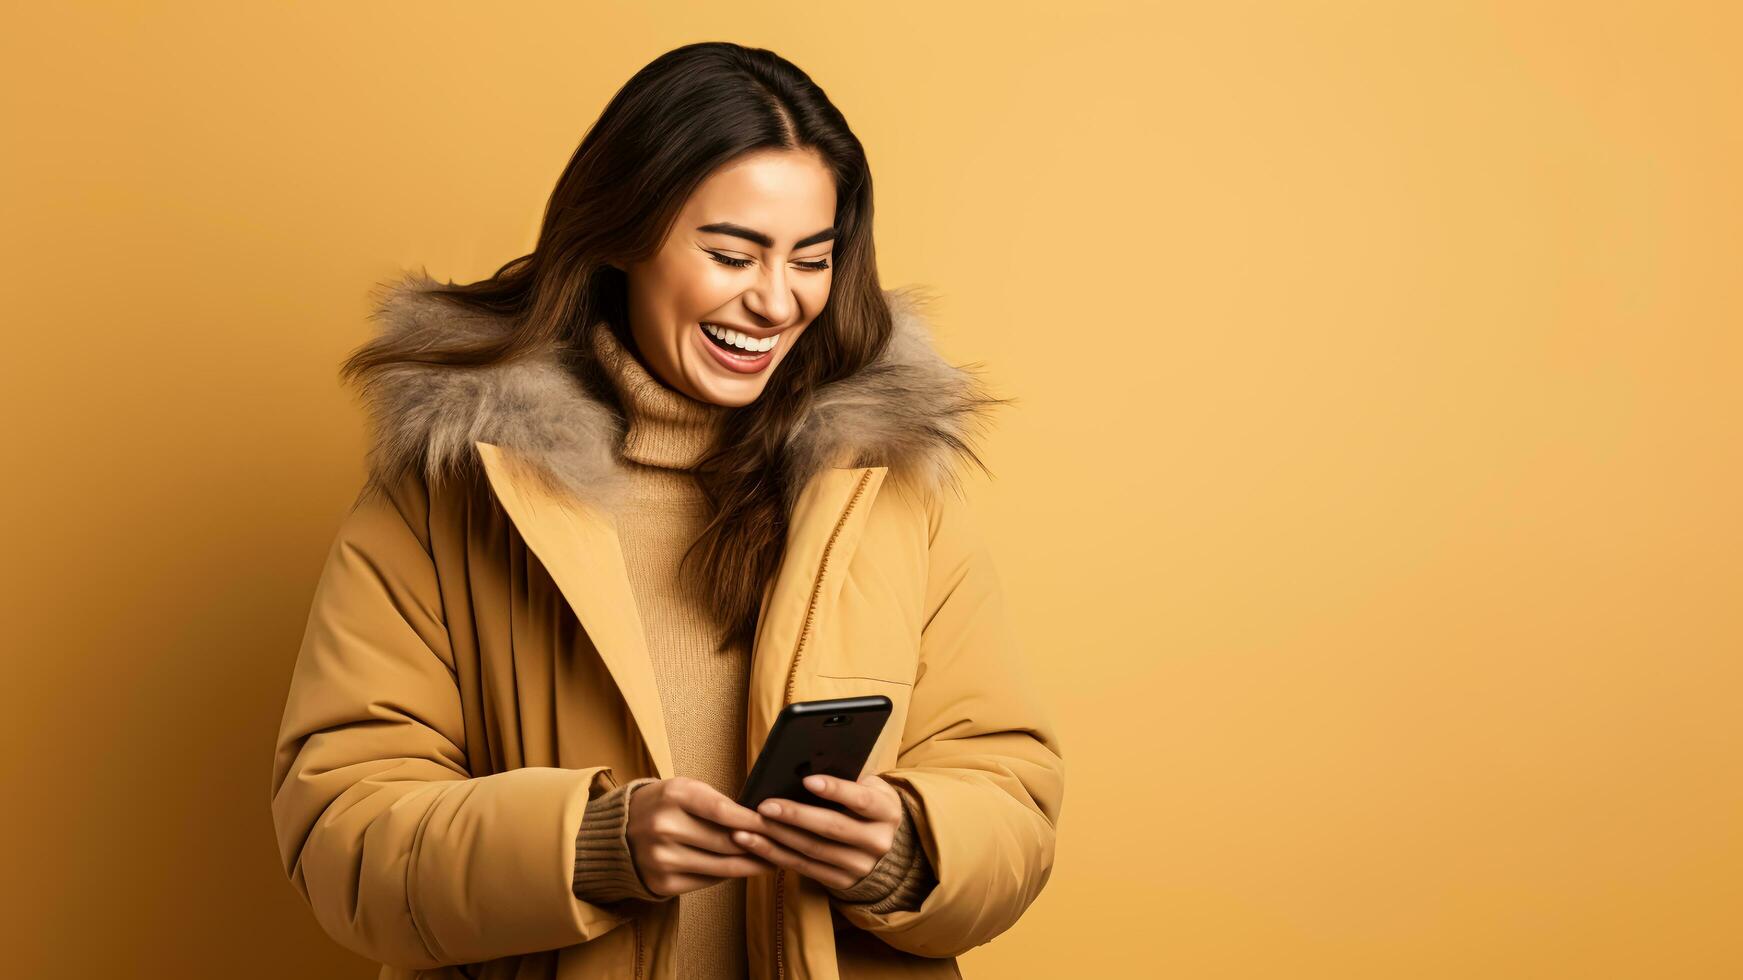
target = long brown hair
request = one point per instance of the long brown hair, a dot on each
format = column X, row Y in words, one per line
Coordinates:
column 687, row 113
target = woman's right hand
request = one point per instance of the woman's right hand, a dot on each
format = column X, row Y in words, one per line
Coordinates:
column 680, row 836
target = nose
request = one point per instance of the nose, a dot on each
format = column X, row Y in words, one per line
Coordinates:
column 772, row 299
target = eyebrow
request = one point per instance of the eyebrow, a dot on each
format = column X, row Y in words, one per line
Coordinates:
column 740, row 231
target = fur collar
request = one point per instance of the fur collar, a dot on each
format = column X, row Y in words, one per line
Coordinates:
column 909, row 410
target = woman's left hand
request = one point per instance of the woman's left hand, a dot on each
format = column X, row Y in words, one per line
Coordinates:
column 837, row 849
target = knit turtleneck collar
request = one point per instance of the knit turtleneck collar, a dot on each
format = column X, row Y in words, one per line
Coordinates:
column 663, row 426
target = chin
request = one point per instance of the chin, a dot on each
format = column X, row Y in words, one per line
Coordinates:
column 737, row 396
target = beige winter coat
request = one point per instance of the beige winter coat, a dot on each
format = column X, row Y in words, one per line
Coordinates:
column 474, row 670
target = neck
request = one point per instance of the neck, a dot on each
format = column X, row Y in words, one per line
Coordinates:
column 663, row 426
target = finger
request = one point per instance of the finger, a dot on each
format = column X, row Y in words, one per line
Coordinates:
column 820, row 849
column 706, row 802
column 824, row 822
column 671, row 858
column 870, row 797
column 785, row 857
column 697, row 832
column 656, row 813
column 709, row 864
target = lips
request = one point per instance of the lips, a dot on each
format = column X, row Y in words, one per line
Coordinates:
column 737, row 363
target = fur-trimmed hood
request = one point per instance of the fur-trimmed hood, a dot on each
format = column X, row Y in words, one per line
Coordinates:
column 909, row 410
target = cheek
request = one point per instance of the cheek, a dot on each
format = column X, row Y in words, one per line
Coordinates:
column 795, row 336
column 693, row 300
column 692, row 291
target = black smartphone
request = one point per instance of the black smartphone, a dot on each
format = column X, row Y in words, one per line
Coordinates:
column 833, row 737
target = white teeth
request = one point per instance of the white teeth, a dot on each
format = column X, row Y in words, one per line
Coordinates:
column 741, row 341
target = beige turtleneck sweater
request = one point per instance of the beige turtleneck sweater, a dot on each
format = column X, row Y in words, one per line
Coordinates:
column 703, row 692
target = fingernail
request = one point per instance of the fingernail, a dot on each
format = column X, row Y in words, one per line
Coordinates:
column 769, row 808
column 814, row 782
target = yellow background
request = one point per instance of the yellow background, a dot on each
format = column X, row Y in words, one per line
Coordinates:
column 1370, row 508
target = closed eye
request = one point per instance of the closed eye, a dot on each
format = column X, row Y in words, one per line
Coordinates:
column 728, row 260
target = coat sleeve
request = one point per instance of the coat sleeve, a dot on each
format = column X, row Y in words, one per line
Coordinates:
column 403, row 855
column 978, row 752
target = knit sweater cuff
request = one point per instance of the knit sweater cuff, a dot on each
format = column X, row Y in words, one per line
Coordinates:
column 902, row 878
column 604, row 866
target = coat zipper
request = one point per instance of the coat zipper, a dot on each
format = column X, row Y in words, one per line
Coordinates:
column 637, row 922
column 787, row 698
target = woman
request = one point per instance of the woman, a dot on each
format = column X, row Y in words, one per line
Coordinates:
column 683, row 464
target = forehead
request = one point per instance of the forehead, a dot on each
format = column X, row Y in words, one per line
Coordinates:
column 786, row 193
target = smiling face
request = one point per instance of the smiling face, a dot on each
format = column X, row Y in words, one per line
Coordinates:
column 748, row 261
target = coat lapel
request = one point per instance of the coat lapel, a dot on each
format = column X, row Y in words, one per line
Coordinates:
column 580, row 549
